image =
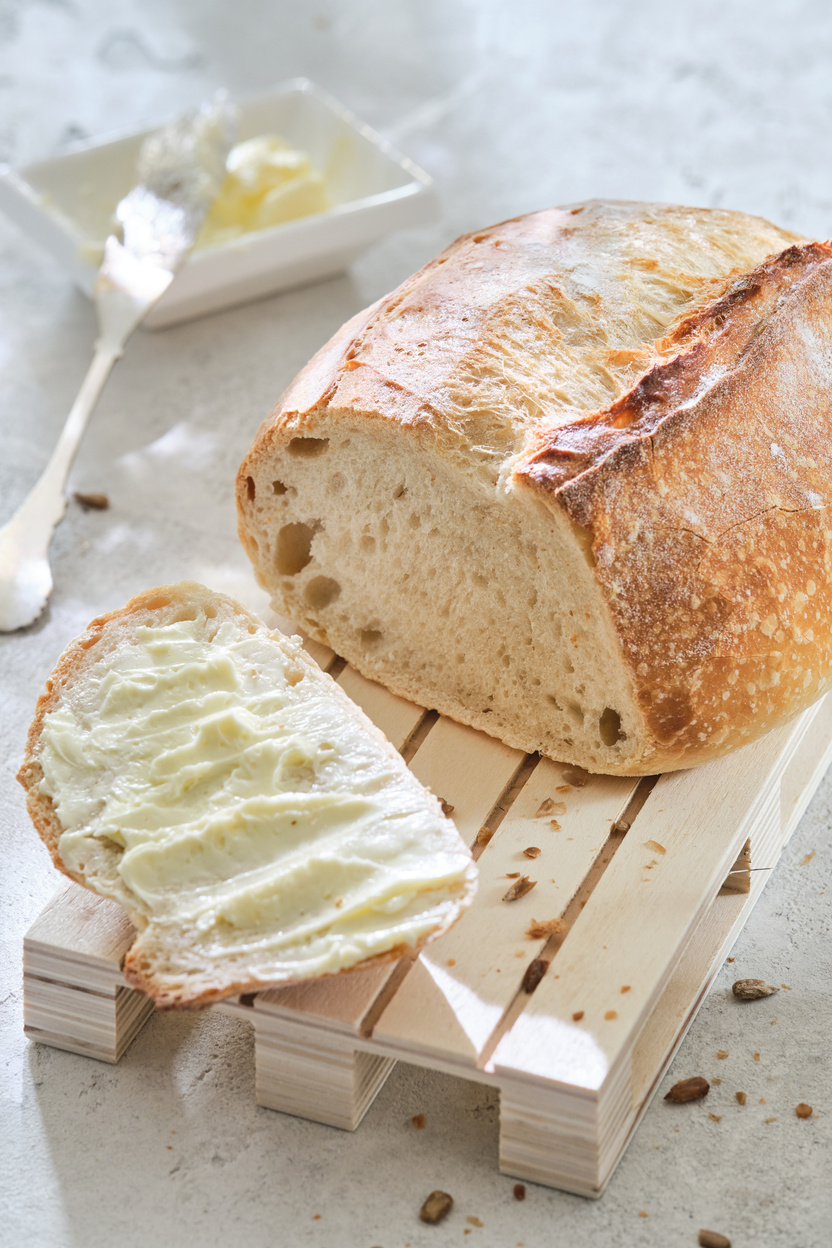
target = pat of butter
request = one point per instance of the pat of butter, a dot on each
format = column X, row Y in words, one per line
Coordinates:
column 267, row 182
column 244, row 804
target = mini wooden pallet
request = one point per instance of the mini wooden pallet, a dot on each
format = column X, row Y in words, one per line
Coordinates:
column 651, row 879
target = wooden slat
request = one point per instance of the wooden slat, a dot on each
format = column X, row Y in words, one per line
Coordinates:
column 396, row 717
column 462, row 984
column 79, row 938
column 640, row 916
column 342, row 1002
column 473, row 787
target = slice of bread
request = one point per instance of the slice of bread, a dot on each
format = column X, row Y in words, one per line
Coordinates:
column 570, row 484
column 257, row 828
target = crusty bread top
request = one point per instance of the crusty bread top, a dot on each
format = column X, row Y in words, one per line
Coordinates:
column 527, row 326
column 662, row 376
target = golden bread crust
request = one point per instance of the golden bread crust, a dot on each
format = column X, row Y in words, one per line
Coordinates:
column 660, row 376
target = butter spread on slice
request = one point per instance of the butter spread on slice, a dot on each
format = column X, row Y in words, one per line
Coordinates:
column 238, row 801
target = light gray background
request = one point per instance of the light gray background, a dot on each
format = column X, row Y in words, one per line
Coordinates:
column 511, row 106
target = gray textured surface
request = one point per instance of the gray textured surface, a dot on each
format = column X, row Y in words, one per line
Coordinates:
column 511, row 106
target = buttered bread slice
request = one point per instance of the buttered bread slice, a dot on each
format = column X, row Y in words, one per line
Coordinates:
column 257, row 828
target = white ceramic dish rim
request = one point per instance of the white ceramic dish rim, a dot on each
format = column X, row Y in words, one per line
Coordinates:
column 18, row 187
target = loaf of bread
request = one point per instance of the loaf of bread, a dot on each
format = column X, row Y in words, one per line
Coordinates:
column 254, row 824
column 570, row 484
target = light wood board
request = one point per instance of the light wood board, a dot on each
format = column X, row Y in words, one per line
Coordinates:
column 640, row 887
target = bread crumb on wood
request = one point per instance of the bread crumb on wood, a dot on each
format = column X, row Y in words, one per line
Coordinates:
column 577, row 1016
column 532, row 851
column 519, row 888
column 722, row 1054
column 418, row 1121
column 803, row 1110
column 538, row 930
column 741, row 1098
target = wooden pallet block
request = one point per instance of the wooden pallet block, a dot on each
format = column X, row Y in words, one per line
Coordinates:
column 641, row 887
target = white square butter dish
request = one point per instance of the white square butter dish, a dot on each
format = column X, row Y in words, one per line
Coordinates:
column 66, row 204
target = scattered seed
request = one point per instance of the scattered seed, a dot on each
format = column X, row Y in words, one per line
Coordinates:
column 803, row 1110
column 519, row 1191
column 770, row 1119
column 611, row 1014
column 447, row 808
column 519, row 888
column 474, row 1221
column 741, row 1098
column 722, row 1054
column 534, row 973
column 548, row 927
column 713, row 1239
column 451, row 962
column 716, row 1082
column 554, row 825
column 437, row 1206
column 621, row 826
column 564, row 788
column 532, row 851
column 483, row 836
column 785, row 987
column 762, row 1101
column 418, row 1121
column 692, row 1089
column 655, row 846
column 626, row 988
column 545, row 808
column 807, row 859
column 715, row 1117
column 730, row 959
column 96, row 502
column 752, row 989
column 577, row 1016
column 756, row 1057
column 642, row 1213
column 512, row 875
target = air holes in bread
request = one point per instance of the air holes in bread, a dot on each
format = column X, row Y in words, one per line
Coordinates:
column 370, row 636
column 278, row 487
column 610, row 727
column 251, row 489
column 368, row 543
column 415, row 520
column 294, row 542
column 400, row 491
column 320, row 592
column 307, row 448
column 337, row 482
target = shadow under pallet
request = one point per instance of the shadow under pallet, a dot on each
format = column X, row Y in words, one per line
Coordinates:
column 571, row 999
